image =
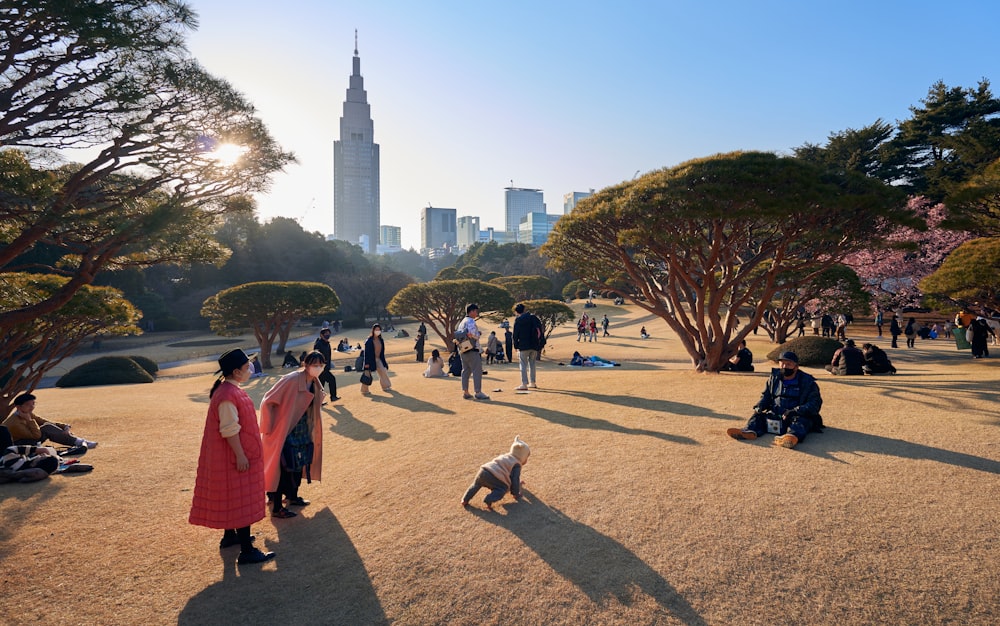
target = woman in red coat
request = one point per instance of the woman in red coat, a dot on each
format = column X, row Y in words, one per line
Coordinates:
column 229, row 489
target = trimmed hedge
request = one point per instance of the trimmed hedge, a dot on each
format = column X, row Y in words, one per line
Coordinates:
column 146, row 363
column 106, row 370
column 811, row 350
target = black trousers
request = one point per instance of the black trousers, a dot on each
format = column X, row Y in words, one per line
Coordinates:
column 327, row 377
column 288, row 487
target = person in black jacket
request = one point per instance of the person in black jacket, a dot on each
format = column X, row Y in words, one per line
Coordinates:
column 742, row 361
column 876, row 360
column 528, row 333
column 847, row 361
column 788, row 407
column 322, row 346
column 895, row 330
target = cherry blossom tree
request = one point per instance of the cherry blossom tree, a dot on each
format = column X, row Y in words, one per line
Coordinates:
column 892, row 273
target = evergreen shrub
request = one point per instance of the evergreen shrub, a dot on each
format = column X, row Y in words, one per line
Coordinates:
column 106, row 370
column 812, row 351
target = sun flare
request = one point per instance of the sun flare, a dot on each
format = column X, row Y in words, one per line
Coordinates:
column 227, row 154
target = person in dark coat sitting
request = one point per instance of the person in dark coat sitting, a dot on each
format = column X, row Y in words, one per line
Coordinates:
column 876, row 360
column 847, row 361
column 742, row 361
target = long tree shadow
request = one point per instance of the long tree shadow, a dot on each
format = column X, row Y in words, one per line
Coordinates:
column 320, row 579
column 410, row 403
column 578, row 421
column 836, row 440
column 651, row 404
column 598, row 565
column 947, row 395
column 346, row 425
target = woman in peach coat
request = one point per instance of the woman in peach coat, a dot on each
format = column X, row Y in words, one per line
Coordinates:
column 291, row 421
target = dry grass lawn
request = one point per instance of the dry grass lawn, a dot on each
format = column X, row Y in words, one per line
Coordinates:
column 639, row 510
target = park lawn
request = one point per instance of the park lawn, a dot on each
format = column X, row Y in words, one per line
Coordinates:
column 638, row 509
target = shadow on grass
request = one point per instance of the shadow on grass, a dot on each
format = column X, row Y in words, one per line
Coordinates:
column 409, row 403
column 650, row 404
column 578, row 421
column 834, row 440
column 947, row 395
column 320, row 579
column 346, row 425
column 598, row 565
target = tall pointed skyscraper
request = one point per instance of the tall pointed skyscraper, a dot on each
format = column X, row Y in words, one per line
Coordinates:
column 356, row 168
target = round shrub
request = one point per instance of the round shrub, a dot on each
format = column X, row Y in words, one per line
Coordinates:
column 146, row 363
column 811, row 350
column 106, row 370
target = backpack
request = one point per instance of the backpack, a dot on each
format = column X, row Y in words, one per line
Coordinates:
column 539, row 332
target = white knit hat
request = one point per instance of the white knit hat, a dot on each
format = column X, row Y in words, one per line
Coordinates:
column 520, row 450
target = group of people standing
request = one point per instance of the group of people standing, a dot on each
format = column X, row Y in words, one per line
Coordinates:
column 586, row 328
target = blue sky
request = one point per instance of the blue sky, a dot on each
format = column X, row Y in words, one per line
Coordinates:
column 568, row 96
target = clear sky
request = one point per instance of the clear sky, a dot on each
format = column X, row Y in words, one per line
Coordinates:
column 572, row 95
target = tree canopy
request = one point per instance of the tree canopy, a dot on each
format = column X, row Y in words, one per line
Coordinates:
column 525, row 287
column 43, row 343
column 268, row 308
column 969, row 277
column 440, row 304
column 696, row 242
column 113, row 77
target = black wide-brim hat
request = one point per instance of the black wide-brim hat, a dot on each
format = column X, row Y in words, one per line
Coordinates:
column 231, row 360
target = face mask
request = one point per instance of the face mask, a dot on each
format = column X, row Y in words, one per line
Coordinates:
column 315, row 370
column 378, row 332
column 787, row 371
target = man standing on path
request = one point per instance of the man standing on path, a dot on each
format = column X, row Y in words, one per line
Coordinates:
column 527, row 335
column 322, row 346
column 604, row 325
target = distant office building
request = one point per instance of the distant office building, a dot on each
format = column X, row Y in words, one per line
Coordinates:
column 467, row 231
column 390, row 236
column 437, row 228
column 499, row 236
column 356, row 168
column 570, row 200
column 534, row 229
column 518, row 203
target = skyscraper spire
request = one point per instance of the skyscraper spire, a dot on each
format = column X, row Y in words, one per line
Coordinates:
column 356, row 167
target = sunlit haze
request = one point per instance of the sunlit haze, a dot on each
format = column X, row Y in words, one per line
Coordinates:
column 468, row 97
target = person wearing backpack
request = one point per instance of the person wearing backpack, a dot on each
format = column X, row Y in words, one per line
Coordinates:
column 788, row 408
column 528, row 332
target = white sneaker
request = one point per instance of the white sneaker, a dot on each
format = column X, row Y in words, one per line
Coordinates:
column 521, row 388
column 533, row 386
column 90, row 444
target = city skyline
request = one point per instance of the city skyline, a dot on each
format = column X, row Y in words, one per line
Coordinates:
column 470, row 99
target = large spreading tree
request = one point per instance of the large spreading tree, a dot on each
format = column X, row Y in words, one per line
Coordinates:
column 697, row 242
column 270, row 309
column 163, row 145
column 440, row 304
column 92, row 313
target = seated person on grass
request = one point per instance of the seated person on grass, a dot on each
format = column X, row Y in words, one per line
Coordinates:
column 847, row 361
column 788, row 407
column 742, row 361
column 25, row 464
column 29, row 429
column 876, row 360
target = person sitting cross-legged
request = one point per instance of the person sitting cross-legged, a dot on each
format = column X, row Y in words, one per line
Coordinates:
column 847, row 361
column 788, row 407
